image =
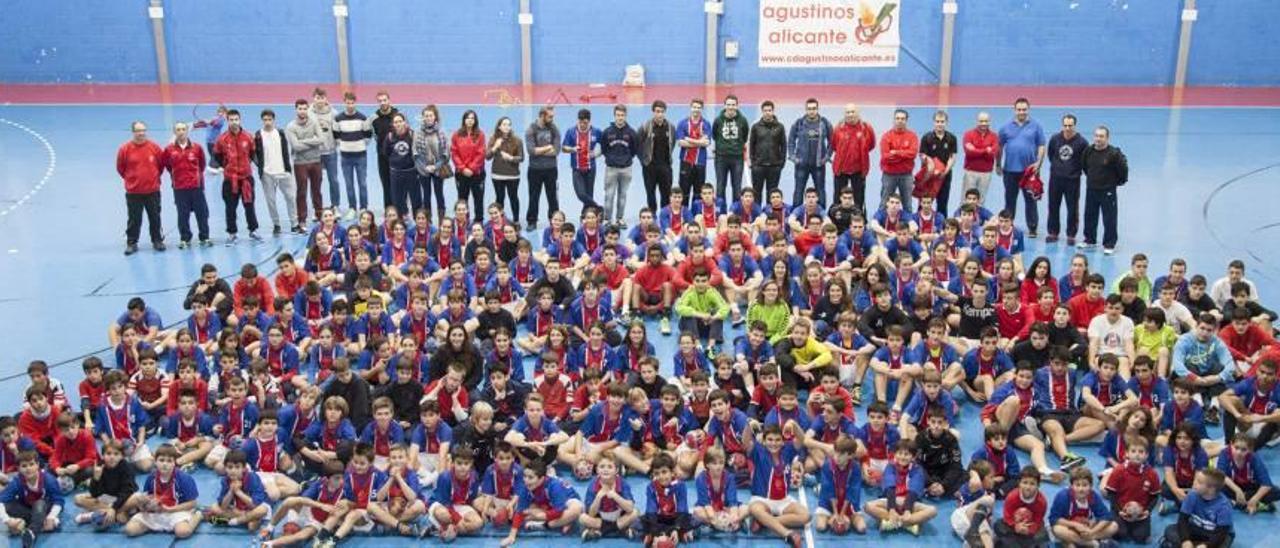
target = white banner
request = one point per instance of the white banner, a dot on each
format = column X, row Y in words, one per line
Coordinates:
column 829, row 33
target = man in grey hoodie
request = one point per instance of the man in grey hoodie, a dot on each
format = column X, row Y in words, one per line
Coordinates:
column 304, row 146
column 542, row 142
column 323, row 114
column 809, row 148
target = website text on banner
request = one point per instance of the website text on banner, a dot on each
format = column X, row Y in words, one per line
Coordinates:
column 829, row 33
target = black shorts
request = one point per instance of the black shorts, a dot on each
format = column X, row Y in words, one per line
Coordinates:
column 1067, row 419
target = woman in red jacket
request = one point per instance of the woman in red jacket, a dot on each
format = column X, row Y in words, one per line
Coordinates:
column 467, row 149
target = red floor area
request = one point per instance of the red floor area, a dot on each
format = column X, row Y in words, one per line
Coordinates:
column 581, row 93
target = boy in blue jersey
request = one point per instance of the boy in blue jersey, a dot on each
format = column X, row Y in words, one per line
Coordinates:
column 717, row 503
column 1079, row 516
column 974, row 502
column 1206, row 517
column 903, row 485
column 361, row 483
column 190, row 430
column 543, row 502
column 167, row 501
column 1247, row 478
column 305, row 516
column 611, row 510
column 666, row 520
column 841, row 491
column 32, row 501
column 772, row 506
column 453, row 502
column 242, row 501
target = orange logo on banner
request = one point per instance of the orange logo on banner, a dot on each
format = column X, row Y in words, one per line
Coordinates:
column 871, row 24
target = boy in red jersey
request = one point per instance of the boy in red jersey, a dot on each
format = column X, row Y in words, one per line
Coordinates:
column 1024, row 513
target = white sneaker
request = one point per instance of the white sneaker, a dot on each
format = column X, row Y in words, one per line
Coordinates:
column 351, row 214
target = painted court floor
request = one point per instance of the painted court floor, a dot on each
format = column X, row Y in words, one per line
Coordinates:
column 1204, row 181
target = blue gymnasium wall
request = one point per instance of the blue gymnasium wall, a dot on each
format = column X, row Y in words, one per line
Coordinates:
column 594, row 41
column 1089, row 42
column 1233, row 43
column 406, row 41
column 76, row 42
column 250, row 41
column 1100, row 42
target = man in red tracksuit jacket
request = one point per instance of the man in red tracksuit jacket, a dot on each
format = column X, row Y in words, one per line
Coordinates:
column 852, row 142
column 139, row 163
column 234, row 151
column 185, row 163
column 898, row 150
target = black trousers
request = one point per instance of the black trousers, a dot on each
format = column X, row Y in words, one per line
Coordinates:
column 32, row 515
column 191, row 201
column 1229, row 425
column 136, row 204
column 384, row 177
column 1005, row 537
column 540, row 179
column 1173, row 538
column 1064, row 189
column 944, row 195
column 232, row 201
column 764, row 180
column 472, row 186
column 1133, row 531
column 507, row 187
column 691, row 180
column 657, row 185
column 856, row 181
column 1101, row 201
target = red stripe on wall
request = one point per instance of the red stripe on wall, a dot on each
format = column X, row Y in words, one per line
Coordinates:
column 579, row 93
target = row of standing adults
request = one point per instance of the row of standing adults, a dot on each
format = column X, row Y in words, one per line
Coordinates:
column 413, row 163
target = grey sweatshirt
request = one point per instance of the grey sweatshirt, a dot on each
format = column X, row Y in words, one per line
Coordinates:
column 538, row 136
column 304, row 140
column 327, row 124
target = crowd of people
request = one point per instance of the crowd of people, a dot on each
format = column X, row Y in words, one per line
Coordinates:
column 437, row 372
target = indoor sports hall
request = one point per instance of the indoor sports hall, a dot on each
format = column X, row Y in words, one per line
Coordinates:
column 1173, row 107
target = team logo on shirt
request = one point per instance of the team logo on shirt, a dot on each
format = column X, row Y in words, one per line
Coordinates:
column 1065, row 152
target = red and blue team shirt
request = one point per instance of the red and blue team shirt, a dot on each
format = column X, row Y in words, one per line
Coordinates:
column 501, row 485
column 771, row 473
column 359, row 488
column 729, row 433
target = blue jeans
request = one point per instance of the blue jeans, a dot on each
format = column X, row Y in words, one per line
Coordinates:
column 191, row 200
column 584, row 185
column 729, row 169
column 355, row 167
column 330, row 164
column 819, row 175
column 1011, row 190
column 901, row 184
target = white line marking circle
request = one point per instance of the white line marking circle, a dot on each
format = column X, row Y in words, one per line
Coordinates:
column 48, row 172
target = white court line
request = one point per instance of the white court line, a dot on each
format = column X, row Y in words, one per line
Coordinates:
column 48, row 172
column 808, row 527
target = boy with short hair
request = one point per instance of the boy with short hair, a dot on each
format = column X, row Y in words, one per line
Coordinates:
column 32, row 501
column 1024, row 512
column 1133, row 489
column 902, row 486
column 362, row 481
column 974, row 503
column 666, row 520
column 543, row 502
column 453, row 502
column 612, row 509
column 1206, row 517
column 121, row 417
column 1247, row 477
column 841, row 491
column 167, row 501
column 500, row 486
column 111, row 484
column 717, row 494
column 877, row 439
column 39, row 421
column 305, row 515
column 242, row 500
column 266, row 457
column 92, row 389
column 1079, row 516
column 235, row 422
column 74, row 453
column 772, row 460
column 702, row 311
column 940, row 455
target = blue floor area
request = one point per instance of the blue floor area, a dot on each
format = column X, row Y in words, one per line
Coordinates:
column 1203, row 186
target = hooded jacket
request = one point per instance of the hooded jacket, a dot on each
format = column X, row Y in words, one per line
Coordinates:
column 798, row 145
column 767, row 143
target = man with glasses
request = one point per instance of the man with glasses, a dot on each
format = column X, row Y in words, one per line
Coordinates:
column 1065, row 166
column 809, row 148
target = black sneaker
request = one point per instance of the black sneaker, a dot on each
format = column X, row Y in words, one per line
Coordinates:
column 158, row 246
column 1211, row 416
column 275, row 231
column 130, row 249
column 28, row 538
column 297, row 229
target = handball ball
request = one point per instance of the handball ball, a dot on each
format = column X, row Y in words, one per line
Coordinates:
column 1023, row 515
column 840, row 527
column 501, row 517
column 664, row 542
column 1133, row 508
